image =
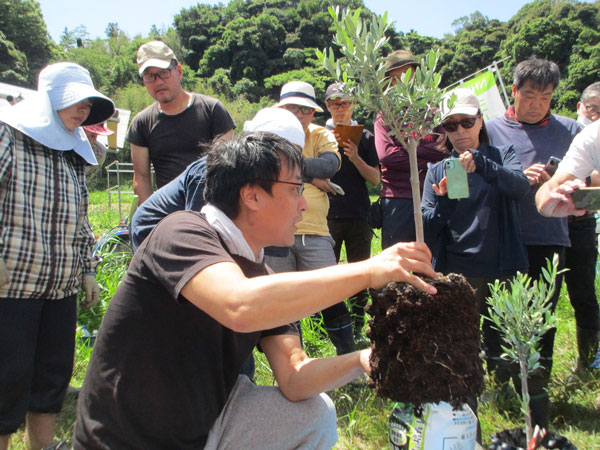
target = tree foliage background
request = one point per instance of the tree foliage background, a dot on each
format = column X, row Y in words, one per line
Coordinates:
column 244, row 51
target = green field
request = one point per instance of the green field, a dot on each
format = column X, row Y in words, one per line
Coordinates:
column 362, row 416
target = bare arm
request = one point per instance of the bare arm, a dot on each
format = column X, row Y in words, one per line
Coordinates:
column 369, row 173
column 301, row 377
column 553, row 198
column 225, row 136
column 250, row 304
column 142, row 177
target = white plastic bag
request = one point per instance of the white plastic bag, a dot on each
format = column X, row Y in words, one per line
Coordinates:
column 439, row 428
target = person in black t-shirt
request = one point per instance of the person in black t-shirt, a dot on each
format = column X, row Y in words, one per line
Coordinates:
column 197, row 299
column 177, row 129
column 348, row 213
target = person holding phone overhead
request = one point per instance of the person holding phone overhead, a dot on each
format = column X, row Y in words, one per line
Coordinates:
column 478, row 236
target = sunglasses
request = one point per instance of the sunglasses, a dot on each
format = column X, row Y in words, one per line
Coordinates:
column 295, row 108
column 465, row 123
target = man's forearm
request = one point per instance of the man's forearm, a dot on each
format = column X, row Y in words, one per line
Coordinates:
column 142, row 187
column 323, row 374
column 369, row 173
column 325, row 166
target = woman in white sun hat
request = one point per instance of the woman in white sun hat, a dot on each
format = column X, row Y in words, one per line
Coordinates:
column 45, row 245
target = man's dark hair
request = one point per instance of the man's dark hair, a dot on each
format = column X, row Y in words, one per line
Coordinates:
column 593, row 90
column 539, row 72
column 255, row 158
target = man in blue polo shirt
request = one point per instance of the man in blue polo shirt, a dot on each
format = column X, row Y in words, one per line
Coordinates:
column 536, row 135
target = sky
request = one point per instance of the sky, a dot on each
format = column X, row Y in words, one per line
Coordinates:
column 427, row 17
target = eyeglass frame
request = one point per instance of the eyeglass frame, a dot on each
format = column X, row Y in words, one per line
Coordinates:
column 294, row 109
column 462, row 123
column 299, row 188
column 166, row 74
column 343, row 104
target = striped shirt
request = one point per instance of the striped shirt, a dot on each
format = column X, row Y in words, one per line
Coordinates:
column 45, row 237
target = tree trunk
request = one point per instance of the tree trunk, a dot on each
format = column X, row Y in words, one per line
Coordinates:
column 415, row 185
column 525, row 394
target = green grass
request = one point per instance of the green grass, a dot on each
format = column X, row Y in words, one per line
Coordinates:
column 362, row 416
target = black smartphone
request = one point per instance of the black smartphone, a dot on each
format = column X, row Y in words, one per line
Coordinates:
column 552, row 165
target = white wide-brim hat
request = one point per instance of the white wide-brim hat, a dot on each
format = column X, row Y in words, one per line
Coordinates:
column 67, row 84
column 60, row 85
column 280, row 122
column 298, row 93
column 465, row 102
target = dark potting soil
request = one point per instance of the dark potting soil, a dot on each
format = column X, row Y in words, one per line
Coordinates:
column 426, row 348
column 515, row 438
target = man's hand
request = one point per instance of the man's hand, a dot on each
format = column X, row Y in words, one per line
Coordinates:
column 536, row 174
column 351, row 150
column 91, row 290
column 321, row 183
column 3, row 273
column 466, row 160
column 442, row 188
column 557, row 202
column 365, row 356
column 399, row 262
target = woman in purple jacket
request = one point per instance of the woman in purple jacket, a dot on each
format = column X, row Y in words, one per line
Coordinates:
column 396, row 193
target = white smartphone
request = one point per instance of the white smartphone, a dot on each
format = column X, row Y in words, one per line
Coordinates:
column 336, row 187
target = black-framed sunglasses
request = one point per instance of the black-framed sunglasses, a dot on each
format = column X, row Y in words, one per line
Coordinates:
column 467, row 123
column 299, row 186
column 162, row 74
column 295, row 108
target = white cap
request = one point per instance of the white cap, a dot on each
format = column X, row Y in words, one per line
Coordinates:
column 298, row 93
column 466, row 102
column 277, row 121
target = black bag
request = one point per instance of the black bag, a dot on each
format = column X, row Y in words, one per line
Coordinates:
column 376, row 214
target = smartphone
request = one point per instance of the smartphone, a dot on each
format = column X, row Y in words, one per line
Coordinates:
column 336, row 187
column 587, row 198
column 552, row 165
column 458, row 183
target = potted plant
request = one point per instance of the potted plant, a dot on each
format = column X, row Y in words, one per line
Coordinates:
column 419, row 354
column 521, row 312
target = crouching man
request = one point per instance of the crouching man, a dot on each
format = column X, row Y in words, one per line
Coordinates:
column 197, row 299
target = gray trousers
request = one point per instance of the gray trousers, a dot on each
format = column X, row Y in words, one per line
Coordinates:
column 260, row 417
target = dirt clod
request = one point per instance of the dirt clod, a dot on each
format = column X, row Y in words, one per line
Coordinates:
column 426, row 348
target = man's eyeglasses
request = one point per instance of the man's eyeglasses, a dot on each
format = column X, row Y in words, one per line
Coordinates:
column 592, row 109
column 295, row 108
column 339, row 105
column 162, row 74
column 299, row 186
column 465, row 123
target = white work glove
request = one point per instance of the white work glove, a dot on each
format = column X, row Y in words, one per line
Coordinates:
column 91, row 289
column 3, row 273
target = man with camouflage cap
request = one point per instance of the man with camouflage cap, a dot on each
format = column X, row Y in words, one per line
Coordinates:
column 174, row 131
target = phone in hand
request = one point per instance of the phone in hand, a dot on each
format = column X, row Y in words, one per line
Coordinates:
column 586, row 198
column 456, row 175
column 336, row 187
column 552, row 165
